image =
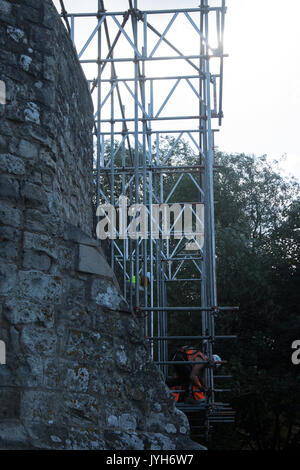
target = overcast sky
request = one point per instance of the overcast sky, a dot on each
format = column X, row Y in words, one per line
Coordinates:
column 261, row 75
column 262, row 89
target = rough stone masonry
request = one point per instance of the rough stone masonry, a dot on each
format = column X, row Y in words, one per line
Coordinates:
column 78, row 374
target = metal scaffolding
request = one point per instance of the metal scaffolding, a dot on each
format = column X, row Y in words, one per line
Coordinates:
column 156, row 78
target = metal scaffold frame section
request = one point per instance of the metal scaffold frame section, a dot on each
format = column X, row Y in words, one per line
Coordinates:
column 136, row 61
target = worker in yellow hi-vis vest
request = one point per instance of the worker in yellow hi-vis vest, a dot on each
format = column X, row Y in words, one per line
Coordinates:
column 144, row 282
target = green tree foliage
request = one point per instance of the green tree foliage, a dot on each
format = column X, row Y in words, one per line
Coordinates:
column 257, row 221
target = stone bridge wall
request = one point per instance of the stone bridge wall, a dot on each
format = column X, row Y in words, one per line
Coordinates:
column 78, row 374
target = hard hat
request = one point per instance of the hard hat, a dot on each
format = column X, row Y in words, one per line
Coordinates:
column 217, row 358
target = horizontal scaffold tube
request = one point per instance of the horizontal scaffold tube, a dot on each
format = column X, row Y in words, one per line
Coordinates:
column 147, row 12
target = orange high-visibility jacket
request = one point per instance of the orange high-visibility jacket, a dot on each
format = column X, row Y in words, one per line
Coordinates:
column 193, row 355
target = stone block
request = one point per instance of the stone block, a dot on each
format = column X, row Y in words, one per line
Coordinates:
column 8, row 376
column 126, row 440
column 85, row 437
column 28, row 150
column 28, row 370
column 81, row 408
column 5, row 129
column 35, row 194
column 10, row 215
column 8, row 250
column 15, row 111
column 8, row 278
column 48, row 159
column 106, row 293
column 34, row 260
column 5, row 8
column 37, row 221
column 77, row 379
column 122, row 360
column 76, row 317
column 83, row 346
column 36, row 177
column 39, row 406
column 11, row 164
column 93, row 262
column 40, row 287
column 13, row 436
column 9, row 187
column 128, row 422
column 16, row 34
column 38, row 340
column 40, row 243
column 37, row 133
column 25, row 62
column 32, row 113
column 67, row 260
column 75, row 295
column 22, row 311
column 50, row 69
column 10, row 404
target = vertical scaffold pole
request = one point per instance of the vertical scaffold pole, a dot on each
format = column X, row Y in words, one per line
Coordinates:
column 98, row 124
column 209, row 272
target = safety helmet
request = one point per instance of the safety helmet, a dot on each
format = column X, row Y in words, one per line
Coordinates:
column 217, row 358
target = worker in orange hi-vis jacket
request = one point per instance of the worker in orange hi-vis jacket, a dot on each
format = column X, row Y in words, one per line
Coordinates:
column 190, row 380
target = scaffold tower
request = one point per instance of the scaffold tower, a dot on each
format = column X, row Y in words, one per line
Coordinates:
column 156, row 79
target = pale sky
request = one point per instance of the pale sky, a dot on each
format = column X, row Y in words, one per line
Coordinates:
column 261, row 75
column 262, row 80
